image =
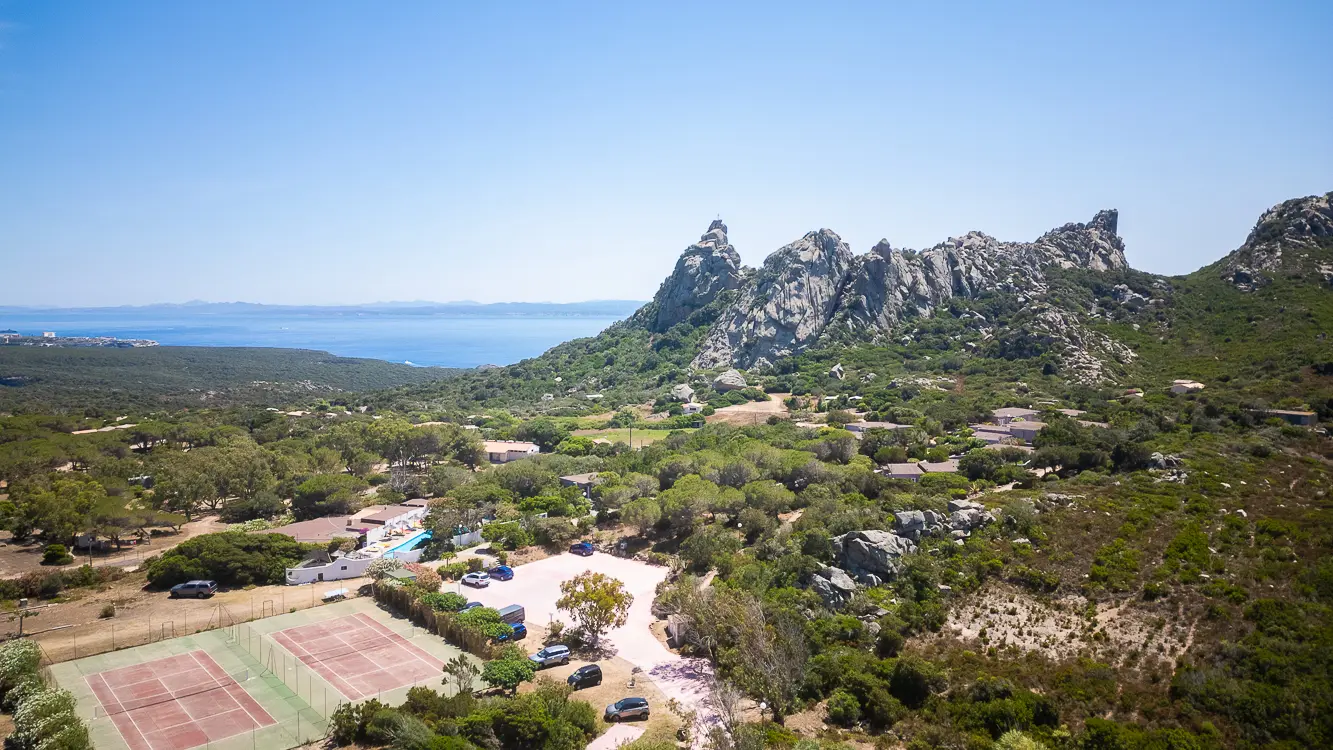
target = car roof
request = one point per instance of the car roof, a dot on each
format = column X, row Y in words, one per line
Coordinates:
column 632, row 700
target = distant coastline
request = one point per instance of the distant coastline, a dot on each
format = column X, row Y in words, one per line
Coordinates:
column 457, row 334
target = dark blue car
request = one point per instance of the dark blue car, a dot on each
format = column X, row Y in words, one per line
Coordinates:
column 520, row 632
column 583, row 549
column 471, row 605
column 502, row 573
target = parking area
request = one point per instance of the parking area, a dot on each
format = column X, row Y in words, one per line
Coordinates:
column 536, row 586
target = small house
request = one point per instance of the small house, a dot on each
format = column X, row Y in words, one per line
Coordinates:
column 1291, row 416
column 585, row 482
column 1011, row 414
column 504, row 451
column 948, row 466
column 1026, row 431
column 1186, row 386
column 692, row 408
column 910, row 472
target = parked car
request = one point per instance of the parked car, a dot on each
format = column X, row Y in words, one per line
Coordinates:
column 627, row 708
column 502, row 573
column 471, row 605
column 480, row 579
column 585, row 676
column 520, row 632
column 512, row 614
column 581, row 548
column 197, row 589
column 551, row 655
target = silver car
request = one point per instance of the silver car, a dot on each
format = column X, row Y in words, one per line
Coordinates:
column 627, row 708
column 550, row 655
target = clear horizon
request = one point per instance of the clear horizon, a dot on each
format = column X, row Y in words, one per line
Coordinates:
column 346, row 154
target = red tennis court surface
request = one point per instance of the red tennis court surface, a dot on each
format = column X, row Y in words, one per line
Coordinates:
column 176, row 703
column 359, row 656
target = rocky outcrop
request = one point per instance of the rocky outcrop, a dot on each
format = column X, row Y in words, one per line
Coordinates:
column 873, row 551
column 815, row 291
column 786, row 306
column 682, row 392
column 1295, row 236
column 888, row 286
column 834, row 587
column 731, row 380
column 704, row 270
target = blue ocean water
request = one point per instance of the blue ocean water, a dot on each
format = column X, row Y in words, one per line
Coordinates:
column 448, row 338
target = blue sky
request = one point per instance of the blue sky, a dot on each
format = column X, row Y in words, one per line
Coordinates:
column 340, row 152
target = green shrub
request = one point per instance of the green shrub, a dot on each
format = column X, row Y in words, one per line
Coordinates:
column 56, row 554
column 446, row 601
column 843, row 708
column 230, row 558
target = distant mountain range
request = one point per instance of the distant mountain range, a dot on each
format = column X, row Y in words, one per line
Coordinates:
column 594, row 308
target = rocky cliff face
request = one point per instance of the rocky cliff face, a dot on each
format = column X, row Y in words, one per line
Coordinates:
column 705, row 270
column 784, row 308
column 1294, row 236
column 815, row 290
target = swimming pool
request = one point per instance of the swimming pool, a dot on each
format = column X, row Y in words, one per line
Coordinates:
column 408, row 543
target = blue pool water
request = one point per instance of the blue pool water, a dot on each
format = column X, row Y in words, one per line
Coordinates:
column 410, row 543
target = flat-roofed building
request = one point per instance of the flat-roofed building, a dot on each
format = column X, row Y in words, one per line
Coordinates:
column 504, row 451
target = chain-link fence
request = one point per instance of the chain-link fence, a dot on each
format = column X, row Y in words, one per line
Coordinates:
column 164, row 621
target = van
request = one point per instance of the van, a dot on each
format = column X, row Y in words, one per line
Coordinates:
column 512, row 615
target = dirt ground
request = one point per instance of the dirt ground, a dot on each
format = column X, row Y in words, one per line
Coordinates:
column 17, row 559
column 73, row 627
column 1131, row 633
column 753, row 412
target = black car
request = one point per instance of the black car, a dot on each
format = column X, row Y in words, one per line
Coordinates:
column 587, row 676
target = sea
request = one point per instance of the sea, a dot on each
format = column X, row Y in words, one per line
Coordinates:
column 442, row 336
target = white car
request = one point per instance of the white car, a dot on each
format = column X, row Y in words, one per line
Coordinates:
column 479, row 579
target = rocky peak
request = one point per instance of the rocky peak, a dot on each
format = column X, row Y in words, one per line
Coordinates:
column 784, row 308
column 1295, row 235
column 815, row 291
column 1094, row 245
column 705, row 270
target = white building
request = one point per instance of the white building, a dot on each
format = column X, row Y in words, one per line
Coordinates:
column 504, row 451
column 1186, row 386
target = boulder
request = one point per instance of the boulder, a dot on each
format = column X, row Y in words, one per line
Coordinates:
column 1159, row 460
column 834, row 586
column 731, row 380
column 837, row 372
column 682, row 392
column 909, row 521
column 957, row 505
column 873, row 551
column 970, row 518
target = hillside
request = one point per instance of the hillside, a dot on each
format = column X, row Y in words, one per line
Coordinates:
column 38, row 379
column 1064, row 311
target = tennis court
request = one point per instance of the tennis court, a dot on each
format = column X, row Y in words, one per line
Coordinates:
column 177, row 702
column 268, row 684
column 359, row 656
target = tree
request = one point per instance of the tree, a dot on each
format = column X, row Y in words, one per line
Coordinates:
column 379, row 569
column 460, row 673
column 326, row 495
column 643, row 514
column 544, row 432
column 597, row 603
column 510, row 670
